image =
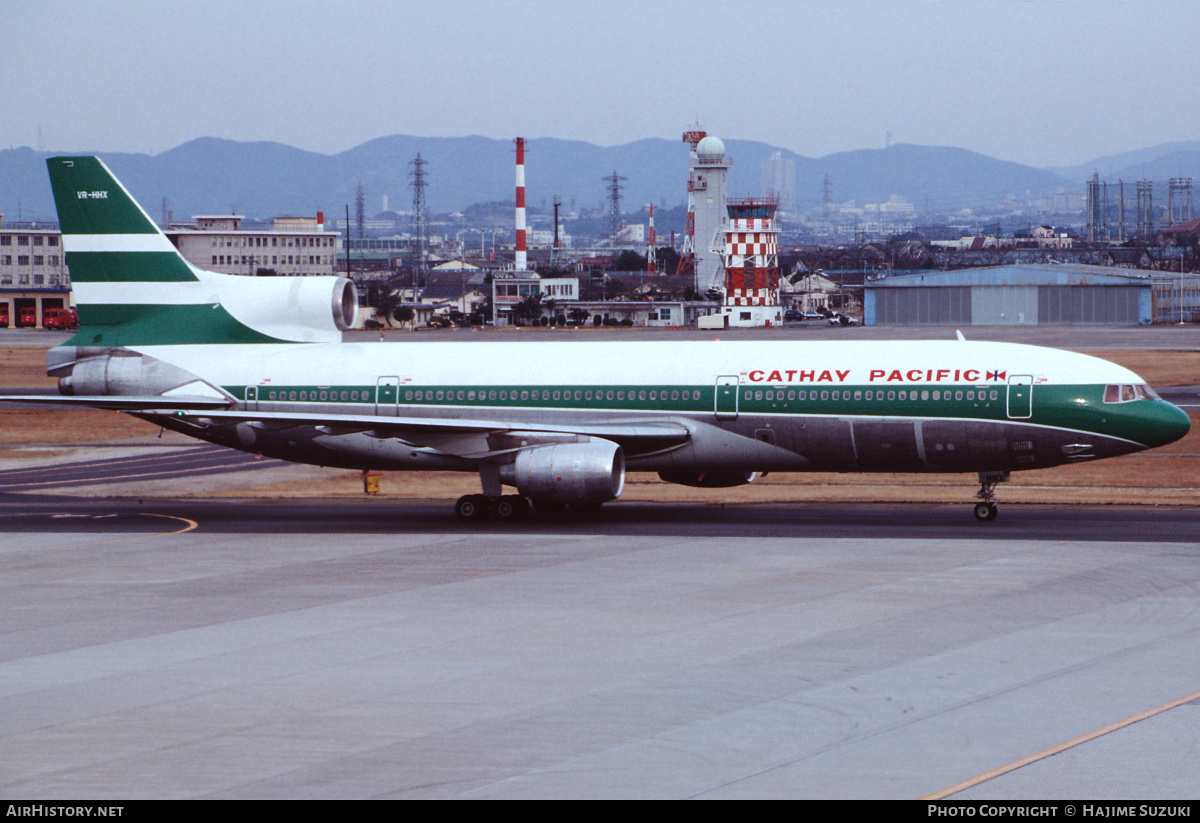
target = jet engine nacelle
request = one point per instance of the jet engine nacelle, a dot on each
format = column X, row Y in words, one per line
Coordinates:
column 721, row 479
column 86, row 370
column 304, row 309
column 581, row 474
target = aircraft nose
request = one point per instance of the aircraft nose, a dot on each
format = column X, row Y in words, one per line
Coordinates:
column 1170, row 423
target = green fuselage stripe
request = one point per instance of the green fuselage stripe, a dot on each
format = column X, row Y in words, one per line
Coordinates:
column 1073, row 407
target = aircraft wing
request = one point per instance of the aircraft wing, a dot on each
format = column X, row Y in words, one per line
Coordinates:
column 475, row 438
column 465, row 437
column 119, row 402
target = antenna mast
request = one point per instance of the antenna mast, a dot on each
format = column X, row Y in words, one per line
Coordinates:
column 420, row 217
column 614, row 196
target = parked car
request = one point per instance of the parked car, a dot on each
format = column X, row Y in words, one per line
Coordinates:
column 4, row 319
column 840, row 319
column 796, row 316
column 60, row 319
column 27, row 317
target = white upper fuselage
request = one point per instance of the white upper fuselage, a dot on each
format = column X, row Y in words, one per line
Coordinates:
column 850, row 363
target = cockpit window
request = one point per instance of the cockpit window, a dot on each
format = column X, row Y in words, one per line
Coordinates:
column 1126, row 393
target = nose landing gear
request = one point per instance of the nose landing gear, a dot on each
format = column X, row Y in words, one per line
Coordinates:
column 986, row 510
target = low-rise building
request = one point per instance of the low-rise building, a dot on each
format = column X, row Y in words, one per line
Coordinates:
column 1037, row 294
column 33, row 271
column 291, row 246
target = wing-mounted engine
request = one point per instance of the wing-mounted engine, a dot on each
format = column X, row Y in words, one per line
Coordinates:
column 719, row 479
column 586, row 473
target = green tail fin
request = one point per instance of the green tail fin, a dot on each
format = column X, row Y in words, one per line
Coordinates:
column 132, row 287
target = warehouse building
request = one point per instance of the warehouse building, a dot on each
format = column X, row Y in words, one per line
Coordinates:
column 1030, row 295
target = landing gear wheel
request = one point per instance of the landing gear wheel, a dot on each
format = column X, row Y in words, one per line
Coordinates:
column 471, row 507
column 546, row 505
column 511, row 508
column 986, row 512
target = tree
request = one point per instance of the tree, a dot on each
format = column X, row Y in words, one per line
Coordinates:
column 404, row 314
column 629, row 260
column 529, row 309
column 386, row 300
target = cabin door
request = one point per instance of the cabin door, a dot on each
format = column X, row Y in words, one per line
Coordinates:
column 727, row 398
column 1020, row 396
column 252, row 398
column 387, row 396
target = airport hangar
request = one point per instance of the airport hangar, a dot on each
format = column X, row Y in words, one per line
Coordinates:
column 1029, row 295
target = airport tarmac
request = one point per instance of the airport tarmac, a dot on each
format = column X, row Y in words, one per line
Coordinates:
column 220, row 649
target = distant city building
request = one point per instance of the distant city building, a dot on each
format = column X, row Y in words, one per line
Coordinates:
column 33, row 271
column 509, row 289
column 544, row 238
column 779, row 180
column 31, row 255
column 292, row 246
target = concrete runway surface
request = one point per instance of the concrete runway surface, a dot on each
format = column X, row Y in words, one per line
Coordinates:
column 205, row 649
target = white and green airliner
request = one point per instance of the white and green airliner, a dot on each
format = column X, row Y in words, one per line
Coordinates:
column 258, row 364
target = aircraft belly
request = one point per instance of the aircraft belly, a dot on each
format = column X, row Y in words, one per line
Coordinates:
column 887, row 445
column 827, row 442
column 965, row 445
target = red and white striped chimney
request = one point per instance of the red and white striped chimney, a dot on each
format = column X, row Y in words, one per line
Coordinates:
column 519, row 258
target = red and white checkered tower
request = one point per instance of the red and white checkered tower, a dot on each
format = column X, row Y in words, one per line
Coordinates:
column 752, row 263
column 519, row 261
column 687, row 259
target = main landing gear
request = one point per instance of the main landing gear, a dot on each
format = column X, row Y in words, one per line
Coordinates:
column 508, row 508
column 986, row 509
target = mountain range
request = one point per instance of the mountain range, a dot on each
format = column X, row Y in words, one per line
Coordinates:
column 210, row 175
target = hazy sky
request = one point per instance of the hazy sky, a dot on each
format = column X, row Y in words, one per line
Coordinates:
column 1043, row 82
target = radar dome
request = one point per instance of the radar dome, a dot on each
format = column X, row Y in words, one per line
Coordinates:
column 711, row 149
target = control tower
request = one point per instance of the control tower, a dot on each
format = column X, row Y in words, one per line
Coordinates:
column 710, row 171
column 752, row 264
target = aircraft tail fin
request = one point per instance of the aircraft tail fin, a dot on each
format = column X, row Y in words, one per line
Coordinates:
column 132, row 287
